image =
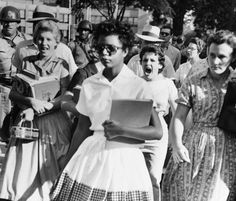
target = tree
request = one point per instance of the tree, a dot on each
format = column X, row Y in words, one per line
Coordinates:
column 115, row 9
column 214, row 14
column 210, row 14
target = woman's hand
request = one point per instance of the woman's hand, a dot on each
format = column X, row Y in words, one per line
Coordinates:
column 27, row 114
column 40, row 106
column 112, row 129
column 180, row 154
column 48, row 105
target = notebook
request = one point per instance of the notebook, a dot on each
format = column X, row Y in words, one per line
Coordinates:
column 131, row 112
column 43, row 88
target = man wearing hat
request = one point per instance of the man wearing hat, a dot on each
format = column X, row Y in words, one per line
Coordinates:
column 27, row 48
column 150, row 35
column 9, row 38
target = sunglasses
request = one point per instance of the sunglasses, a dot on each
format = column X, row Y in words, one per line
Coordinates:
column 111, row 49
column 164, row 34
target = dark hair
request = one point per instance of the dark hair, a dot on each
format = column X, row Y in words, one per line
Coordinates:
column 167, row 26
column 223, row 36
column 114, row 27
column 199, row 42
column 157, row 51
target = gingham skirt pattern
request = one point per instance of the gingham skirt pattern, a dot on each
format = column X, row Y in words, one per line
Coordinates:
column 67, row 189
column 104, row 170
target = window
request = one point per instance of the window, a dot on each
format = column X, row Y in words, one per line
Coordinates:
column 66, row 18
column 22, row 14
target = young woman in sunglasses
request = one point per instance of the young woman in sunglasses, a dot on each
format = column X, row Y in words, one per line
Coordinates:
column 103, row 167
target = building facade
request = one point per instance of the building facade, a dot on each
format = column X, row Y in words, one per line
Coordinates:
column 68, row 23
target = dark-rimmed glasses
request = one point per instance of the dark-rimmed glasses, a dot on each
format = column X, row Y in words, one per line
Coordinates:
column 111, row 49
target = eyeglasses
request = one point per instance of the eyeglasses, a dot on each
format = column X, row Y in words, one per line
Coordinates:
column 164, row 34
column 191, row 48
column 111, row 49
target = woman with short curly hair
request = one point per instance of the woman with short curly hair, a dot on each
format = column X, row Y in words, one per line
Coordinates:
column 109, row 164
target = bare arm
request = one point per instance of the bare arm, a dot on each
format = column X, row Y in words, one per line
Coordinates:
column 153, row 131
column 180, row 153
column 82, row 131
column 29, row 102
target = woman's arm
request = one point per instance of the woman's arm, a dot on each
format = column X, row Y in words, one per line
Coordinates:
column 82, row 131
column 173, row 96
column 70, row 100
column 56, row 102
column 153, row 131
column 38, row 105
column 180, row 153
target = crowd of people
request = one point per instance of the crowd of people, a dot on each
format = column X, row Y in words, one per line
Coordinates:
column 79, row 152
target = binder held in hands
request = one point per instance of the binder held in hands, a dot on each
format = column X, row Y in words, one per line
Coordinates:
column 131, row 112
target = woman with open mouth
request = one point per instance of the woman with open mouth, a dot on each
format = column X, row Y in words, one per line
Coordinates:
column 164, row 94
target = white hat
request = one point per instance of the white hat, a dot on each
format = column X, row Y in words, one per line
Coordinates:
column 150, row 33
column 42, row 12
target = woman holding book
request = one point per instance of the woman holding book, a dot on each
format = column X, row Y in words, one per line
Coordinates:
column 109, row 164
column 31, row 166
column 164, row 93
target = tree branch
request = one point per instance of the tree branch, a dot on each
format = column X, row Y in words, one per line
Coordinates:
column 97, row 8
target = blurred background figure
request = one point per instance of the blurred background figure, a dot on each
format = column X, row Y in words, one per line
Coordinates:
column 172, row 52
column 193, row 51
column 10, row 36
column 81, row 47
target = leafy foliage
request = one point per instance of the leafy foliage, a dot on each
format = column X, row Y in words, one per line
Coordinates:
column 111, row 9
column 214, row 14
column 210, row 14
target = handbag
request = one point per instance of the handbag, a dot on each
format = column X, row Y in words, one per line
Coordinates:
column 22, row 132
column 227, row 118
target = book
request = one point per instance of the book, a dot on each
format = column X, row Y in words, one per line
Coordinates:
column 43, row 88
column 131, row 112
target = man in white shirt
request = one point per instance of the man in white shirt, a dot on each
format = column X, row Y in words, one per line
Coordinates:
column 150, row 35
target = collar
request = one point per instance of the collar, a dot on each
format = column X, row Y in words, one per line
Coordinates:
column 19, row 34
column 44, row 66
column 124, row 73
column 205, row 71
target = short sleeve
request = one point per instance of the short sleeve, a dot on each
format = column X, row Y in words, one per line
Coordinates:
column 185, row 92
column 16, row 60
column 64, row 69
column 168, row 70
column 81, row 105
column 177, row 74
column 173, row 92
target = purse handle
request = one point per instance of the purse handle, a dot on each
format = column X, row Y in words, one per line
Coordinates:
column 31, row 125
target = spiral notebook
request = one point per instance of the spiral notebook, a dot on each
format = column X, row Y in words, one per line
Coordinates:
column 132, row 113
